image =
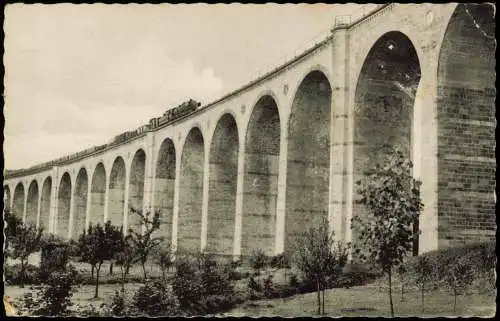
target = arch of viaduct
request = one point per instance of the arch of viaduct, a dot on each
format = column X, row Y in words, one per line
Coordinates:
column 264, row 163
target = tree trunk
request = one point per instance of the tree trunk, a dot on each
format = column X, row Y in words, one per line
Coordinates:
column 390, row 294
column 98, row 268
column 143, row 263
column 111, row 269
column 455, row 304
column 92, row 273
column 402, row 289
column 21, row 275
column 123, row 278
column 323, row 305
column 319, row 297
column 422, row 294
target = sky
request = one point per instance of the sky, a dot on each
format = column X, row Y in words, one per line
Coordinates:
column 77, row 75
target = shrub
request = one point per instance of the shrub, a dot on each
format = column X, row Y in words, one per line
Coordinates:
column 217, row 303
column 481, row 257
column 268, row 287
column 258, row 260
column 54, row 258
column 90, row 310
column 294, row 281
column 186, row 284
column 53, row 299
column 155, row 298
column 254, row 288
column 118, row 303
column 12, row 274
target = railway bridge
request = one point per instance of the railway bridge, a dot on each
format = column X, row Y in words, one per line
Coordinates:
column 257, row 167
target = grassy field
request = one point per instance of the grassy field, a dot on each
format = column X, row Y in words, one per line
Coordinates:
column 369, row 301
column 357, row 301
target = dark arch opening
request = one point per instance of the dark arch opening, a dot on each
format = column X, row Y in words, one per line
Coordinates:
column 308, row 161
column 116, row 197
column 63, row 206
column 466, row 127
column 165, row 187
column 45, row 204
column 223, row 166
column 80, row 203
column 18, row 201
column 98, row 195
column 136, row 188
column 191, row 192
column 384, row 103
column 32, row 204
column 260, row 189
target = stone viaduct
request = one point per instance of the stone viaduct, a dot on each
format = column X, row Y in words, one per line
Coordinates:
column 267, row 161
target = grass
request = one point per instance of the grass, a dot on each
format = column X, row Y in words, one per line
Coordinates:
column 356, row 301
column 369, row 301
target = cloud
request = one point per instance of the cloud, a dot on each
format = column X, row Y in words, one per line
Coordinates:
column 69, row 89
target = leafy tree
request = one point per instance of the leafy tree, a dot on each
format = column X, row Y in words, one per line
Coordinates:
column 124, row 256
column 97, row 245
column 163, row 257
column 423, row 276
column 27, row 240
column 392, row 196
column 319, row 257
column 12, row 224
column 144, row 241
column 459, row 278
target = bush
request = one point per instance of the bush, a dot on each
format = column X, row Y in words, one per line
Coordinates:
column 254, row 289
column 294, row 281
column 53, row 299
column 268, row 287
column 481, row 257
column 90, row 310
column 186, row 284
column 217, row 303
column 258, row 260
column 55, row 255
column 155, row 298
column 118, row 304
column 12, row 274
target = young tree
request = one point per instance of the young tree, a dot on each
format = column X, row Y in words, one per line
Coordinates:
column 97, row 245
column 12, row 224
column 319, row 257
column 459, row 279
column 258, row 260
column 124, row 256
column 144, row 241
column 163, row 257
column 392, row 196
column 401, row 270
column 27, row 240
column 423, row 275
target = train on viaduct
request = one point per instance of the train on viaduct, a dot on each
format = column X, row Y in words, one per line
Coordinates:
column 257, row 167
